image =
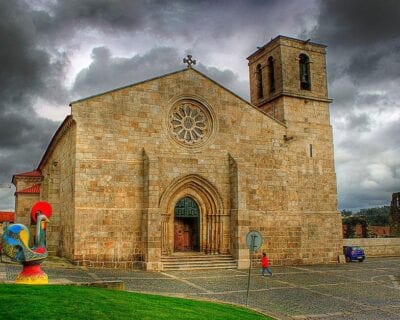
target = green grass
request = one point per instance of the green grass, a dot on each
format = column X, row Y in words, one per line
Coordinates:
column 70, row 302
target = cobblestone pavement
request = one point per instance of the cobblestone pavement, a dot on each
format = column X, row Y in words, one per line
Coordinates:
column 367, row 290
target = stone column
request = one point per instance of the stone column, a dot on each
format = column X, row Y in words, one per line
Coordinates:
column 151, row 225
column 165, row 235
column 239, row 214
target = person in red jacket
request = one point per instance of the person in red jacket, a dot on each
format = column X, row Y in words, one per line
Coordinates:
column 265, row 265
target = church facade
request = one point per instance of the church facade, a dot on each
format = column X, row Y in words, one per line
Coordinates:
column 180, row 164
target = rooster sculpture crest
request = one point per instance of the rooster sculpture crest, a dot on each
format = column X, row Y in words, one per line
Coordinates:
column 16, row 245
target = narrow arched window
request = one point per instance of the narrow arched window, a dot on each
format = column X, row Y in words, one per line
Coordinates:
column 305, row 80
column 259, row 81
column 271, row 74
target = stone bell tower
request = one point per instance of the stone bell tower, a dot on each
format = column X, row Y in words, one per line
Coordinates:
column 288, row 81
column 287, row 67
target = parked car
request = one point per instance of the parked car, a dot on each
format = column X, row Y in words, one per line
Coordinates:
column 353, row 253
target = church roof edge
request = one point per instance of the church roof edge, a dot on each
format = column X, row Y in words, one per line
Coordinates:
column 59, row 132
column 239, row 97
column 175, row 72
column 33, row 173
column 30, row 174
column 129, row 85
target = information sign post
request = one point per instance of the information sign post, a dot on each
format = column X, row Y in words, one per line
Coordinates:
column 254, row 242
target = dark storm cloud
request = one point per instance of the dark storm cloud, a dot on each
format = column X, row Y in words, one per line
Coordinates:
column 370, row 99
column 364, row 68
column 359, row 122
column 107, row 72
column 23, row 142
column 367, row 162
column 59, row 20
column 359, row 22
column 26, row 73
column 63, row 18
column 228, row 79
column 66, row 17
column 15, row 132
column 22, row 64
column 361, row 34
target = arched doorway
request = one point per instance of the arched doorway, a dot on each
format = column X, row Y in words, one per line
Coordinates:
column 211, row 226
column 186, row 225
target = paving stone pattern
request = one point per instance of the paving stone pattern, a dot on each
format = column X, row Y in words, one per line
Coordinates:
column 368, row 290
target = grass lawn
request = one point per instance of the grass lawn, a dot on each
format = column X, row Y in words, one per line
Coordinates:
column 70, row 302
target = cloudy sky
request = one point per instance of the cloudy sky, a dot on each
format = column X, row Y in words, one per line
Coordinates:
column 53, row 52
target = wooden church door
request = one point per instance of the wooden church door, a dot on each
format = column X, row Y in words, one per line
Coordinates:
column 186, row 225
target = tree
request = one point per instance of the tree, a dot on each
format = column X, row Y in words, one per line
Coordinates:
column 346, row 213
column 376, row 216
column 351, row 224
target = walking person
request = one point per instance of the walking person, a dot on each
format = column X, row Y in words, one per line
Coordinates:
column 265, row 265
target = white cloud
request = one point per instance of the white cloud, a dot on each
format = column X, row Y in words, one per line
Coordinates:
column 48, row 110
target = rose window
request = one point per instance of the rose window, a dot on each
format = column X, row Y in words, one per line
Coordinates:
column 189, row 123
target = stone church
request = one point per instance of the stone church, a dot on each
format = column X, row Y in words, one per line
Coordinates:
column 179, row 165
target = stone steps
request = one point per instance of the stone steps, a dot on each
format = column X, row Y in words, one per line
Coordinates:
column 198, row 262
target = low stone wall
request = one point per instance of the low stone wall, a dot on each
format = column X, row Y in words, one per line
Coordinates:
column 376, row 247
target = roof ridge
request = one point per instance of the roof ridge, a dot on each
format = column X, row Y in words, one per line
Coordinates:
column 129, row 85
column 178, row 71
column 37, row 173
column 33, row 173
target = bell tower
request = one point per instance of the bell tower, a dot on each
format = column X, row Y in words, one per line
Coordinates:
column 288, row 82
column 287, row 67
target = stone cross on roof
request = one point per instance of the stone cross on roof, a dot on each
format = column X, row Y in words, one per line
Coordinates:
column 189, row 61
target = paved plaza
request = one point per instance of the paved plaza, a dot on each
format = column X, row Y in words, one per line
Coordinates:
column 367, row 290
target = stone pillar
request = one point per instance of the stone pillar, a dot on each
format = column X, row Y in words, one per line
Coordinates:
column 219, row 233
column 239, row 215
column 214, row 234
column 165, row 235
column 152, row 220
column 243, row 230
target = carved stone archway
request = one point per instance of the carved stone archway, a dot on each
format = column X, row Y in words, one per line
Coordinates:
column 214, row 223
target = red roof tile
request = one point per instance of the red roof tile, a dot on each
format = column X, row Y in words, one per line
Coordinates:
column 6, row 216
column 34, row 173
column 33, row 189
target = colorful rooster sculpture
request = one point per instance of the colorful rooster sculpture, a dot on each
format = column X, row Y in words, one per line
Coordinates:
column 16, row 245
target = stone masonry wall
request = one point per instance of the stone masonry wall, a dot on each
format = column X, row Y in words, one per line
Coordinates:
column 25, row 182
column 376, row 247
column 295, row 238
column 117, row 206
column 290, row 51
column 114, row 129
column 261, row 59
column 285, row 53
column 311, row 164
column 312, row 217
column 58, row 189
